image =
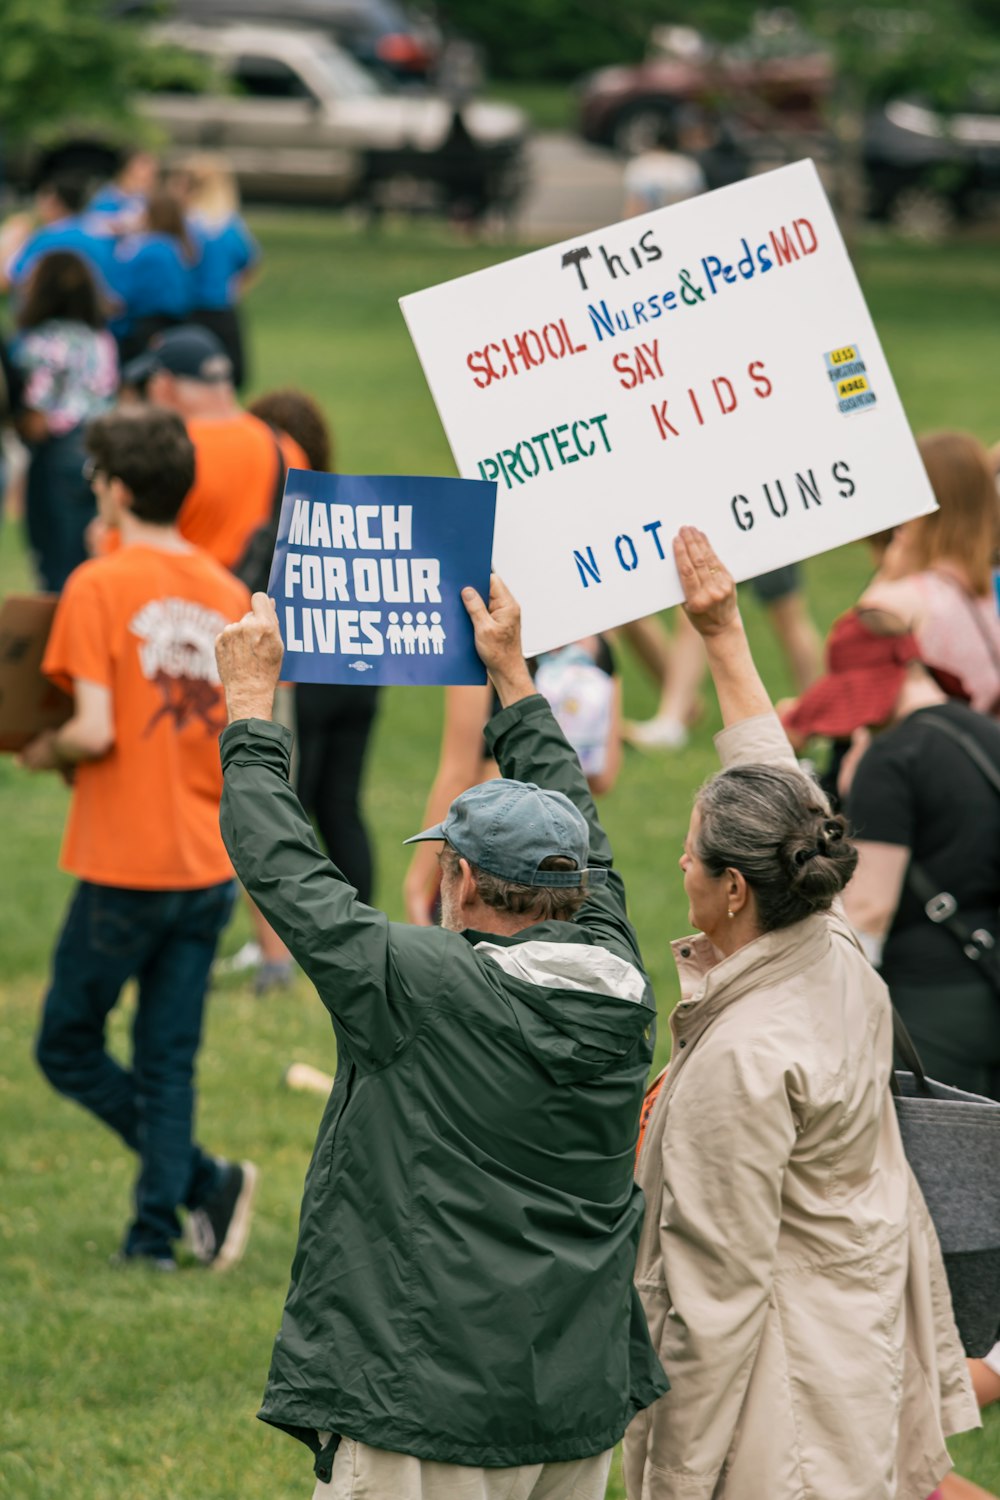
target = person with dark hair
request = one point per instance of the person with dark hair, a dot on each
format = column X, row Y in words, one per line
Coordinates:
column 68, row 368
column 133, row 643
column 155, row 274
column 64, row 224
column 917, row 798
column 461, row 1318
column 791, row 1277
column 296, row 413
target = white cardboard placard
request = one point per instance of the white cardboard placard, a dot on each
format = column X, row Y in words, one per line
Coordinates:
column 713, row 363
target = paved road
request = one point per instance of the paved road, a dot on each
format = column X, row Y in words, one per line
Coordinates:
column 574, row 188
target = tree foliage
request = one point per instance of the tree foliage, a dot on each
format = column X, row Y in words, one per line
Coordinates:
column 554, row 39
column 933, row 47
column 64, row 60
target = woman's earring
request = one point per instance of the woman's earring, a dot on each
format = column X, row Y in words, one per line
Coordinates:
column 731, row 915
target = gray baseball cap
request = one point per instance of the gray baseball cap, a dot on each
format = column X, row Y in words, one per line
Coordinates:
column 509, row 827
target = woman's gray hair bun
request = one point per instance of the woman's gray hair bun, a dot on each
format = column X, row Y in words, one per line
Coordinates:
column 768, row 822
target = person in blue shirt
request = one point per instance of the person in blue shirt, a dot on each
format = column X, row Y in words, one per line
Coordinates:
column 64, row 225
column 228, row 252
column 155, row 269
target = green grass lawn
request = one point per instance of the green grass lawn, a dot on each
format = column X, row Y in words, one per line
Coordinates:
column 116, row 1386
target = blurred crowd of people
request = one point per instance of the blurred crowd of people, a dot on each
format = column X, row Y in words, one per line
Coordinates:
column 122, row 380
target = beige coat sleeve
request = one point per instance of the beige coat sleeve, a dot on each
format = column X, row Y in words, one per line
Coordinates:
column 729, row 1137
column 757, row 741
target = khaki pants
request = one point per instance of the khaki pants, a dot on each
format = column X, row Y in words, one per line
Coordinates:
column 363, row 1473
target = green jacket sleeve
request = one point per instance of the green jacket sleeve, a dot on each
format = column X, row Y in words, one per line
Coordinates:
column 343, row 945
column 530, row 746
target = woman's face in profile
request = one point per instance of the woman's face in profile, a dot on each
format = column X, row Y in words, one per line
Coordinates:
column 706, row 893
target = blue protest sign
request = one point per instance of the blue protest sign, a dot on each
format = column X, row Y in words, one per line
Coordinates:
column 368, row 572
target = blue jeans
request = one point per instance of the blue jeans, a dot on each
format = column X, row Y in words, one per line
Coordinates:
column 166, row 940
column 59, row 505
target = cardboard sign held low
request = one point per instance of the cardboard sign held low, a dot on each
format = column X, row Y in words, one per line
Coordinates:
column 29, row 703
column 368, row 573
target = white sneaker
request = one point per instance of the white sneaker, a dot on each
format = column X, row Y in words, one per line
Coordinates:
column 660, row 733
column 241, row 962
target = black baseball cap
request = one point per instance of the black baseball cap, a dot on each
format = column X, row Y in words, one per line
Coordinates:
column 190, row 351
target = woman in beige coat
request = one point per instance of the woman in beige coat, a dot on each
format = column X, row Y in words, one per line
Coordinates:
column 790, row 1274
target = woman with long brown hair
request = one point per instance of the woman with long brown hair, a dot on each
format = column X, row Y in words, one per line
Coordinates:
column 155, row 273
column 937, row 574
column 68, row 369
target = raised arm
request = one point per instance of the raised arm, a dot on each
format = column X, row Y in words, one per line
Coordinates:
column 753, row 732
column 530, row 746
column 342, row 945
column 544, row 756
column 462, row 763
column 710, row 605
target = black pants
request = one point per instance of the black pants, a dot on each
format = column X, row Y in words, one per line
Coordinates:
column 333, row 725
column 956, row 1030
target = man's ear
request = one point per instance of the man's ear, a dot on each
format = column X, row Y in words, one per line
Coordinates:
column 160, row 388
column 120, row 493
column 468, row 891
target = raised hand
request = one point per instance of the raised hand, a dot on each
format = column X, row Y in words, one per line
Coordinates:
column 248, row 655
column 497, row 630
column 709, row 591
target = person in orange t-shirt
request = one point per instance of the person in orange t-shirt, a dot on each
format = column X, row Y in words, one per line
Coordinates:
column 133, row 642
column 239, row 461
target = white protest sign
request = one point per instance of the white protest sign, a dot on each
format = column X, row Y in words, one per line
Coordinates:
column 713, row 363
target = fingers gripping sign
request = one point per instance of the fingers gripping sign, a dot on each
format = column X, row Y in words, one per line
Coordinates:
column 709, row 590
column 497, row 629
column 497, row 626
column 248, row 655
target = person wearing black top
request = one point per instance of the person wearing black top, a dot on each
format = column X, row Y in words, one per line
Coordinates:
column 914, row 794
column 918, row 793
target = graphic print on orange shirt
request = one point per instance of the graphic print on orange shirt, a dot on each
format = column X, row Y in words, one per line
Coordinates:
column 178, row 657
column 142, row 623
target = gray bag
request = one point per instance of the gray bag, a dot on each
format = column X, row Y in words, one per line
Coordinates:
column 952, row 1142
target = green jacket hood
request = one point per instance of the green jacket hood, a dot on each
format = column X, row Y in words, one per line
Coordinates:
column 577, row 1005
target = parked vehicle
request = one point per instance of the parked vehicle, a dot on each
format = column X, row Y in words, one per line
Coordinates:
column 300, row 121
column 394, row 42
column 925, row 170
column 772, row 83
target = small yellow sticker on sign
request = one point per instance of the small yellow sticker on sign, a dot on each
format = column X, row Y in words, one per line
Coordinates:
column 843, row 356
column 852, row 387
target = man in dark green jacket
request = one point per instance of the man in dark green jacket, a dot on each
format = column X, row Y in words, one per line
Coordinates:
column 462, row 1288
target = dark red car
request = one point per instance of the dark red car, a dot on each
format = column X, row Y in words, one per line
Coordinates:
column 769, row 84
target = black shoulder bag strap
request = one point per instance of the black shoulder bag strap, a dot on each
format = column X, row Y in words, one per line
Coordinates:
column 254, row 566
column 978, row 945
column 908, row 1055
